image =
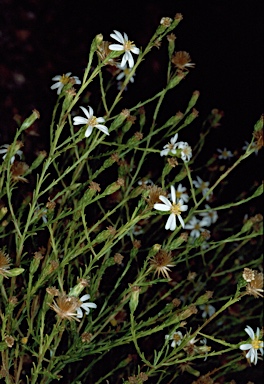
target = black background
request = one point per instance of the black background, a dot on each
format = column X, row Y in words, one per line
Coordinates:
column 40, row 39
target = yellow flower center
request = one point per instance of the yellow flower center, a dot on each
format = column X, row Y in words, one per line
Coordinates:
column 256, row 343
column 176, row 337
column 126, row 71
column 64, row 79
column 92, row 121
column 129, row 45
column 176, row 209
column 187, row 151
column 203, row 185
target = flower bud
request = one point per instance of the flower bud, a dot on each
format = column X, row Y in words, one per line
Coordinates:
column 111, row 188
column 259, row 124
column 193, row 101
column 174, row 120
column 119, row 120
column 30, row 120
column 189, row 119
column 3, row 212
column 14, row 272
column 133, row 303
column 37, row 161
column 204, row 298
column 176, row 80
column 102, row 236
column 78, row 288
column 175, row 243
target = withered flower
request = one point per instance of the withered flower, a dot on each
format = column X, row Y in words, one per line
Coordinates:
column 18, row 169
column 5, row 263
column 65, row 307
column 118, row 258
column 86, row 337
column 161, row 263
column 9, row 341
column 154, row 194
column 103, row 51
column 182, row 60
column 255, row 282
column 258, row 136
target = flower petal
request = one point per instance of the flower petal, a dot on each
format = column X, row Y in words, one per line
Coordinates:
column 102, row 128
column 165, row 200
column 173, row 194
column 135, row 50
column 161, row 207
column 117, row 36
column 181, row 221
column 85, row 297
column 88, row 131
column 171, row 222
column 79, row 120
column 116, row 47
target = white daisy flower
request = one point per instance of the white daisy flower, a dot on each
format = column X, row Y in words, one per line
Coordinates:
column 210, row 214
column 202, row 185
column 196, row 226
column 85, row 306
column 180, row 193
column 224, row 154
column 125, row 71
column 5, row 149
column 91, row 121
column 170, row 147
column 174, row 208
column 63, row 80
column 146, row 183
column 186, row 151
column 126, row 45
column 208, row 310
column 253, row 347
column 176, row 337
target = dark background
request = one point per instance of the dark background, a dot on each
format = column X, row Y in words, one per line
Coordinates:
column 40, row 39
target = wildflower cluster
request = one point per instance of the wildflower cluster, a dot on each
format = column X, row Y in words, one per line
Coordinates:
column 85, row 214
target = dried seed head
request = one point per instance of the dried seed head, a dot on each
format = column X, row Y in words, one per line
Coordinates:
column 115, row 157
column 191, row 276
column 138, row 136
column 51, row 205
column 171, row 37
column 118, row 258
column 137, row 244
column 166, row 21
column 112, row 230
column 52, row 291
column 95, row 186
column 125, row 112
column 5, row 263
column 86, row 337
column 9, row 341
column 176, row 302
column 172, row 162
